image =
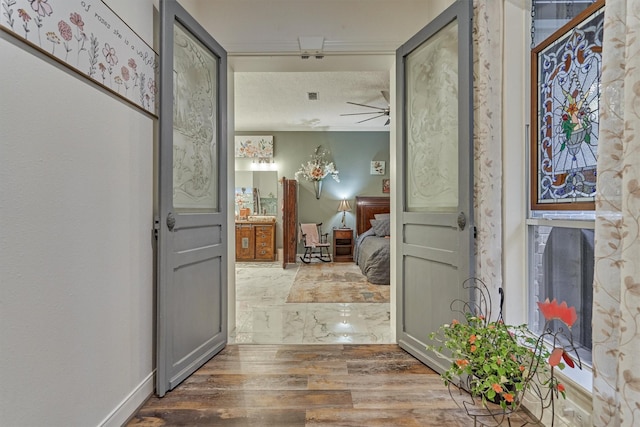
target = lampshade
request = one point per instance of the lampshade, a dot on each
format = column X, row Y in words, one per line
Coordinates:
column 344, row 206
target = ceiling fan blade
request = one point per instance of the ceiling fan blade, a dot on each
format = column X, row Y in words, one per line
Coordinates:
column 385, row 94
column 371, row 118
column 357, row 114
column 368, row 106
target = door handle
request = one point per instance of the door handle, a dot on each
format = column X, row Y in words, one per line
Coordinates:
column 171, row 221
column 462, row 221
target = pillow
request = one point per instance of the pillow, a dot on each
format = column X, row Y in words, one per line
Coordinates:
column 382, row 227
column 382, row 216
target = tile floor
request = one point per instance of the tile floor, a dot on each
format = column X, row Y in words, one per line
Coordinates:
column 263, row 316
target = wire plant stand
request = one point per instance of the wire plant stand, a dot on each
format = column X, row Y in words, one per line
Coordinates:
column 540, row 387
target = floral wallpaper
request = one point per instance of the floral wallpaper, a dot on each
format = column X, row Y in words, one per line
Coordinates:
column 616, row 299
column 88, row 37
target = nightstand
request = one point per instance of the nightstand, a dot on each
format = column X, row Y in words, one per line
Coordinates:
column 342, row 245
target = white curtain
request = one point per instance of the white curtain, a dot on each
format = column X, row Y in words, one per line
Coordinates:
column 487, row 140
column 616, row 299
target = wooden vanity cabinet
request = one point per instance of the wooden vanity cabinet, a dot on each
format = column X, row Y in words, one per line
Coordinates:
column 255, row 241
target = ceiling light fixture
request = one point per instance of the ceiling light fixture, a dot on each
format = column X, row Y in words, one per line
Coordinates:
column 311, row 44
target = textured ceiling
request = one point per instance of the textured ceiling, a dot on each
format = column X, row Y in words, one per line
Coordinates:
column 279, row 100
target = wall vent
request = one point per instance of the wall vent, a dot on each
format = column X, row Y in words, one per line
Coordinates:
column 312, row 96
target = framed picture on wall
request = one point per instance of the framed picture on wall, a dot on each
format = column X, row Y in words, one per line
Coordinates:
column 377, row 167
column 386, row 185
column 260, row 146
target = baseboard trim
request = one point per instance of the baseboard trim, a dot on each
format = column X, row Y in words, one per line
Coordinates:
column 130, row 404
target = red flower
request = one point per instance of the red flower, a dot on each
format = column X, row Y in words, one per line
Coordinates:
column 553, row 310
column 472, row 339
column 555, row 357
column 559, row 353
column 473, row 348
column 568, row 359
column 560, row 387
column 462, row 363
column 497, row 388
column 508, row 397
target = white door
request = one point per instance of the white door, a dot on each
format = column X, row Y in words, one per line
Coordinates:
column 192, row 246
column 435, row 230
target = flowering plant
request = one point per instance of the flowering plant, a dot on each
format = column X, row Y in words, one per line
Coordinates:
column 498, row 359
column 318, row 167
column 501, row 362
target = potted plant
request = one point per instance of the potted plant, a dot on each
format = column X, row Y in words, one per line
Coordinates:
column 498, row 363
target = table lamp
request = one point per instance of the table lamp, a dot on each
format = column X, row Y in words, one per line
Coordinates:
column 344, row 207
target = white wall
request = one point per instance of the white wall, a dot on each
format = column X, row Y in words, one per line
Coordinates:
column 76, row 265
column 515, row 186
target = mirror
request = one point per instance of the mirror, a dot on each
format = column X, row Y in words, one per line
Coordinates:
column 256, row 191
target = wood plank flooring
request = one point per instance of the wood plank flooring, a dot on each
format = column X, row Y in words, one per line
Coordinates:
column 307, row 385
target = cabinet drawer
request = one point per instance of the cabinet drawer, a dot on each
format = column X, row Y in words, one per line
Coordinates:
column 265, row 252
column 343, row 234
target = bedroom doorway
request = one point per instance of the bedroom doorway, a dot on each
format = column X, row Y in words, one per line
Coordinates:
column 263, row 309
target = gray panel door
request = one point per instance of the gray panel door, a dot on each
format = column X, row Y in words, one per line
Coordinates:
column 434, row 92
column 192, row 249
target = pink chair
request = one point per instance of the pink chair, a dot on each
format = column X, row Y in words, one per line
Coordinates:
column 316, row 244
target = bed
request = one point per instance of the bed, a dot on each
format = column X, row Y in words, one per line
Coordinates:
column 372, row 251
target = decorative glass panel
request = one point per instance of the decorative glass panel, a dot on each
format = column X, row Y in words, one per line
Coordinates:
column 432, row 123
column 567, row 69
column 195, row 174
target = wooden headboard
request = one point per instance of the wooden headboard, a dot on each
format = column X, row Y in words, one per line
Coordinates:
column 366, row 208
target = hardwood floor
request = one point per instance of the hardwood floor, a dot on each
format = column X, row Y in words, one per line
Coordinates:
column 307, row 385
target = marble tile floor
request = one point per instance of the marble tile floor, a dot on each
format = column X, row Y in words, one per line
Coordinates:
column 263, row 316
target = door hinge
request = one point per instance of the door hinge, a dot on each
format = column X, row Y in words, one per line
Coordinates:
column 156, row 227
column 475, row 232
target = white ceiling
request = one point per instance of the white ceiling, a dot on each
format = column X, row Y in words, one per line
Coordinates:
column 358, row 39
column 279, row 100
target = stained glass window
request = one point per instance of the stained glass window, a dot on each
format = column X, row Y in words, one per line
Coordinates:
column 566, row 70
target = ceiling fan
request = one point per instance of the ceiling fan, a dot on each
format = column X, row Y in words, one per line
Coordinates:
column 379, row 113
